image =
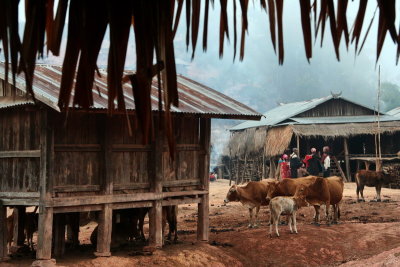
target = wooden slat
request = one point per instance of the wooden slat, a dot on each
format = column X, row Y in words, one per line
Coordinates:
column 77, row 147
column 186, row 200
column 131, row 205
column 76, row 188
column 3, row 233
column 12, row 195
column 20, row 154
column 108, row 199
column 131, row 186
column 20, row 202
column 129, row 148
column 181, row 183
column 78, row 209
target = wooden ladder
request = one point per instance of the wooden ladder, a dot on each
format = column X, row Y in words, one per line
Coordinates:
column 336, row 169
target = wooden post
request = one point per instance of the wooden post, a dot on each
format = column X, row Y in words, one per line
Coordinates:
column 155, row 170
column 73, row 228
column 237, row 169
column 45, row 229
column 358, row 165
column 263, row 165
column 244, row 169
column 19, row 223
column 367, row 164
column 346, row 158
column 105, row 218
column 230, row 167
column 3, row 233
column 203, row 222
column 298, row 145
column 59, row 234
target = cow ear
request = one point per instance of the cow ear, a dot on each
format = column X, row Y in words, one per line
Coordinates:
column 234, row 188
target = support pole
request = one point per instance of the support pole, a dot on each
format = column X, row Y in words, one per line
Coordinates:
column 155, row 171
column 203, row 222
column 105, row 218
column 3, row 233
column 19, row 224
column 346, row 158
column 298, row 145
column 45, row 233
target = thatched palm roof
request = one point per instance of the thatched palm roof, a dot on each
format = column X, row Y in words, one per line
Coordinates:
column 155, row 24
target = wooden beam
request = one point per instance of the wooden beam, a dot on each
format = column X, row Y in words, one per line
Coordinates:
column 12, row 195
column 77, row 147
column 77, row 208
column 45, row 231
column 156, row 177
column 20, row 154
column 346, row 158
column 20, row 202
column 187, row 200
column 104, row 232
column 109, row 199
column 131, row 205
column 76, row 188
column 187, row 182
column 105, row 218
column 298, row 145
column 203, row 207
column 3, row 233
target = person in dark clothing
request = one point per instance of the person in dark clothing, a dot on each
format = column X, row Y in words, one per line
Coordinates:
column 295, row 163
column 314, row 163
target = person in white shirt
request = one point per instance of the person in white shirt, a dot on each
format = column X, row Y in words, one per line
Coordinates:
column 326, row 162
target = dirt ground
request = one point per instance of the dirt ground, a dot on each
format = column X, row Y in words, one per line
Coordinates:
column 368, row 235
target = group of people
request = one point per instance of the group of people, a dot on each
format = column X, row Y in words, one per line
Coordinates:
column 312, row 164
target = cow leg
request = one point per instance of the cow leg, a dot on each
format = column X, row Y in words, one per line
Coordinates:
column 295, row 222
column 327, row 211
column 276, row 224
column 290, row 223
column 141, row 222
column 358, row 192
column 316, row 216
column 251, row 218
column 378, row 192
column 362, row 192
column 256, row 216
column 271, row 222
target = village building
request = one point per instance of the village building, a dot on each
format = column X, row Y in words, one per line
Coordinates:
column 87, row 160
column 349, row 128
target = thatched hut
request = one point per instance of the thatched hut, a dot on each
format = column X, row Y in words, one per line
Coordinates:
column 89, row 161
column 347, row 127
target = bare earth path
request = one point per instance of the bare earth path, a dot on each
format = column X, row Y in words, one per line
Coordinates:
column 368, row 235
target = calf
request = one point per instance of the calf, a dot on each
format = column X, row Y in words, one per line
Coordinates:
column 252, row 195
column 170, row 215
column 288, row 206
column 318, row 192
column 371, row 178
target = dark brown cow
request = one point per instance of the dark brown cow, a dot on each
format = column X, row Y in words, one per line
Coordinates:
column 371, row 178
column 318, row 192
column 252, row 195
column 170, row 215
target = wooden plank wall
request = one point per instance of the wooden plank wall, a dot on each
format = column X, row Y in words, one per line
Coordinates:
column 336, row 107
column 77, row 157
column 19, row 145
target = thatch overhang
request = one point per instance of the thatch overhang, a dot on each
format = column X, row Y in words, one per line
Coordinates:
column 247, row 142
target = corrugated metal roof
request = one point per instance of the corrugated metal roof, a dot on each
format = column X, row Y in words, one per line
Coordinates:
column 339, row 119
column 287, row 111
column 394, row 112
column 194, row 98
column 12, row 101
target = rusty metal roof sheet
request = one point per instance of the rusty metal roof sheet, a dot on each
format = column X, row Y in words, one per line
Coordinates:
column 12, row 101
column 194, row 98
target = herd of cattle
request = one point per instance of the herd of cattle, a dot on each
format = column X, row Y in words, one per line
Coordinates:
column 283, row 197
column 289, row 195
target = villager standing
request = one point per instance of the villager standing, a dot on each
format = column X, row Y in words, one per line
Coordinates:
column 314, row 163
column 326, row 161
column 295, row 163
column 302, row 171
column 285, row 168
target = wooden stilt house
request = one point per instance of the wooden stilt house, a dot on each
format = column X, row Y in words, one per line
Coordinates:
column 90, row 161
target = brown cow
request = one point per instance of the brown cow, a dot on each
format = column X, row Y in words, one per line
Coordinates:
column 252, row 195
column 170, row 215
column 371, row 178
column 318, row 192
column 336, row 187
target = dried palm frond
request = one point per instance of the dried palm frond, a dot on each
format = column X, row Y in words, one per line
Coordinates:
column 155, row 25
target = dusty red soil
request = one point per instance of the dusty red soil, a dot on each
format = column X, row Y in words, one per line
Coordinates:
column 368, row 235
